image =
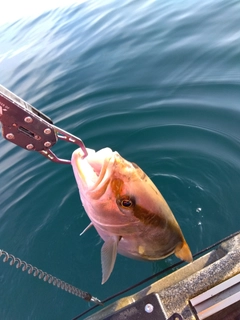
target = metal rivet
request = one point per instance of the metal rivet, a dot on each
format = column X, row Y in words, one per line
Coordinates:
column 28, row 119
column 47, row 144
column 149, row 308
column 29, row 146
column 47, row 131
column 10, row 136
column 37, row 137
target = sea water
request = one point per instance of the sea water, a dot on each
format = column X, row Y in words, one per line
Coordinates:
column 158, row 81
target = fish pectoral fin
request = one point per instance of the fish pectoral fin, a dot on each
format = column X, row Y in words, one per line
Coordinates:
column 108, row 256
column 88, row 227
column 183, row 252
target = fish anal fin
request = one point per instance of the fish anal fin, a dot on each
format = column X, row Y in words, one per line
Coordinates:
column 183, row 252
column 108, row 256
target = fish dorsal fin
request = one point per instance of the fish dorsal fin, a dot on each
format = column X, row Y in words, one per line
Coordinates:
column 108, row 256
column 88, row 227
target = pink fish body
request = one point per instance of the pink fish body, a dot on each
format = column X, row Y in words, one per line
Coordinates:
column 127, row 210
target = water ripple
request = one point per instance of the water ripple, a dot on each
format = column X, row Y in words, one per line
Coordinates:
column 156, row 81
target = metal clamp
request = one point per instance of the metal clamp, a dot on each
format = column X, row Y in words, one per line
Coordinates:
column 31, row 129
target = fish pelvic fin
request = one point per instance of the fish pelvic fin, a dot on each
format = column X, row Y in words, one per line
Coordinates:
column 108, row 256
column 88, row 227
column 183, row 252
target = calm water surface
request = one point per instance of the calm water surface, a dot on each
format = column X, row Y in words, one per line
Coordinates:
column 159, row 82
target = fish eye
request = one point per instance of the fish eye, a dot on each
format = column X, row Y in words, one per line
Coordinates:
column 126, row 203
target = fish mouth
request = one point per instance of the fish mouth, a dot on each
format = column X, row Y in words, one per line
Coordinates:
column 91, row 170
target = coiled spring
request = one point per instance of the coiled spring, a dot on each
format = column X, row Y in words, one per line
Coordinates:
column 47, row 277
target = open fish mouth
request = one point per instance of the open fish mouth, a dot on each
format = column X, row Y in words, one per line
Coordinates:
column 90, row 170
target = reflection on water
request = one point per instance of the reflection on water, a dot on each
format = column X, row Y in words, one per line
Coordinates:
column 157, row 82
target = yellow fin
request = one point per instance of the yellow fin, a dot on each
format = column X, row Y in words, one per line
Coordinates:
column 183, row 252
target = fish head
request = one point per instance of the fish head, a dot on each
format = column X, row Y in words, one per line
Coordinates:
column 115, row 192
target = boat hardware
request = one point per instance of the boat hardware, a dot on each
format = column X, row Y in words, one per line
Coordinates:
column 158, row 274
column 147, row 308
column 219, row 301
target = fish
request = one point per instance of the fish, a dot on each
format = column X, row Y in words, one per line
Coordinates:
column 127, row 210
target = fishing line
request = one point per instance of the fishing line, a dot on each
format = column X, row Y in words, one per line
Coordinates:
column 157, row 274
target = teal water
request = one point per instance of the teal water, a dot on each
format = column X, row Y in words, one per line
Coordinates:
column 157, row 81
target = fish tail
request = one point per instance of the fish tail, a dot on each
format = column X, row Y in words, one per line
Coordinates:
column 183, row 252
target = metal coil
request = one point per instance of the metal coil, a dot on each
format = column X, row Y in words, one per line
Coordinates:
column 47, row 277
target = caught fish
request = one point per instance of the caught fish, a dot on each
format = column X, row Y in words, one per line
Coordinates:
column 127, row 210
